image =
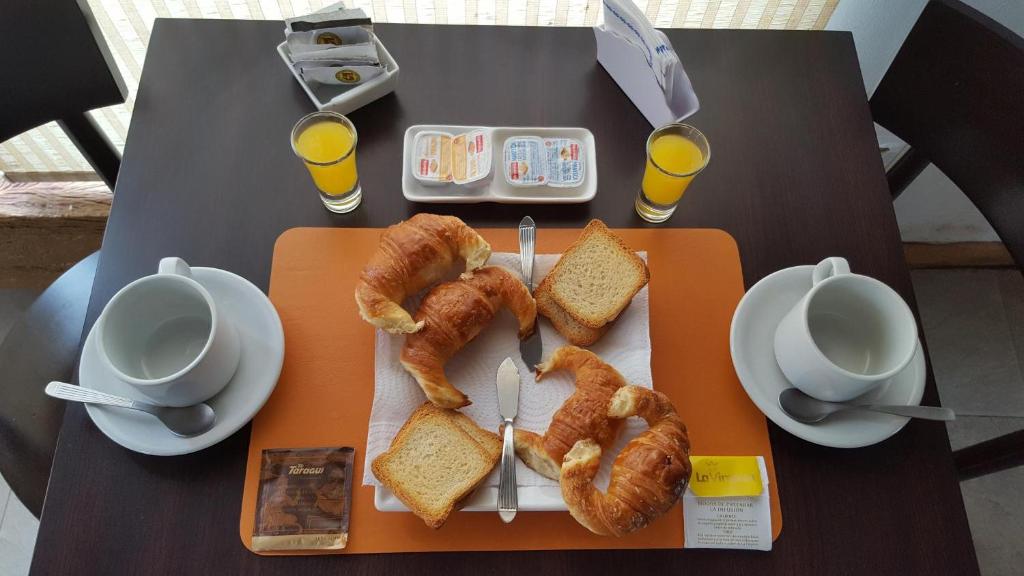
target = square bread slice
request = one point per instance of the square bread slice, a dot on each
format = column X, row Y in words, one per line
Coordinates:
column 434, row 463
column 576, row 333
column 489, row 441
column 597, row 277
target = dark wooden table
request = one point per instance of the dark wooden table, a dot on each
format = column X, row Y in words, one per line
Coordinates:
column 208, row 175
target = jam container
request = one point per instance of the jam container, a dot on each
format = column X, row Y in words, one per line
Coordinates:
column 440, row 158
column 534, row 161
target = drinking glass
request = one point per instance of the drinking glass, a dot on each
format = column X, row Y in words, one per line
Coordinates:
column 675, row 154
column 326, row 143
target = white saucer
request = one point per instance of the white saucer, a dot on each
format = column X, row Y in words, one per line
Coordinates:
column 262, row 337
column 753, row 355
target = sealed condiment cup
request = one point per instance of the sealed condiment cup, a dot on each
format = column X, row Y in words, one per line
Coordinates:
column 165, row 336
column 440, row 158
column 471, row 158
column 846, row 336
column 524, row 161
column 564, row 162
column 432, row 158
column 534, row 161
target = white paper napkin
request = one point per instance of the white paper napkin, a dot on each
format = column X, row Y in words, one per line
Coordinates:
column 626, row 346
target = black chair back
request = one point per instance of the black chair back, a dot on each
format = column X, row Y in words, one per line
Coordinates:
column 56, row 66
column 955, row 93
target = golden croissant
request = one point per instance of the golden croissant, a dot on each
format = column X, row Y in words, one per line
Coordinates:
column 411, row 256
column 648, row 476
column 582, row 415
column 452, row 314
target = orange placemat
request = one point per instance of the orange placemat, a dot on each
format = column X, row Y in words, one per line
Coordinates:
column 324, row 395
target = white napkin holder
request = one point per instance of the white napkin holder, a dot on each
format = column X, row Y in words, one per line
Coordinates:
column 626, row 64
column 356, row 97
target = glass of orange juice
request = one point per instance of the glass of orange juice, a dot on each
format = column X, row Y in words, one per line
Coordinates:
column 675, row 154
column 326, row 142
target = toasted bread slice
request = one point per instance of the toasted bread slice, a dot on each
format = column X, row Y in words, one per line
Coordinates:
column 597, row 277
column 574, row 332
column 489, row 441
column 433, row 464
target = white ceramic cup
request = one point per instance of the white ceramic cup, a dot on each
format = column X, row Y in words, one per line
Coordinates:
column 165, row 335
column 847, row 335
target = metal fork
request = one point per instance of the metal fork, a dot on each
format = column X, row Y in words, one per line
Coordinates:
column 527, row 240
column 530, row 348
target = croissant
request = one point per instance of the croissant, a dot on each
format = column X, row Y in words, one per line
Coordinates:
column 582, row 415
column 648, row 476
column 413, row 255
column 452, row 314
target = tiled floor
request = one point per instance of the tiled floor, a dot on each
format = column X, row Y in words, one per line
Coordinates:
column 974, row 323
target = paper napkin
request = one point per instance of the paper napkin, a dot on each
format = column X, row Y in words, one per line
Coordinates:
column 643, row 63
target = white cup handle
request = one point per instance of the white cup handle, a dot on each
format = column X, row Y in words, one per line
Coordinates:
column 829, row 267
column 172, row 265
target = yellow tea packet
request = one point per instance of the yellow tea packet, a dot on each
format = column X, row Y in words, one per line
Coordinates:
column 304, row 499
column 718, row 476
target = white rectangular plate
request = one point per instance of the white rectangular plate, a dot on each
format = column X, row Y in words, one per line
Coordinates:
column 498, row 190
column 485, row 499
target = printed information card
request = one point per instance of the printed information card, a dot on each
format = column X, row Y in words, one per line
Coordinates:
column 726, row 504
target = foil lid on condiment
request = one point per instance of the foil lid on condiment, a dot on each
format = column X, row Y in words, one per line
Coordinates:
column 442, row 158
column 471, row 156
column 564, row 161
column 534, row 161
column 432, row 158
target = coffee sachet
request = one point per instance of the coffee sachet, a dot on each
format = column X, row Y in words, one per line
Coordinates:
column 328, row 19
column 328, row 37
column 304, row 499
column 332, row 75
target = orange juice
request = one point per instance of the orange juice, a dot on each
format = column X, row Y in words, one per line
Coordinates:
column 321, row 145
column 676, row 154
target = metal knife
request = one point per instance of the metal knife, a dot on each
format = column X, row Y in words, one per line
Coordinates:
column 530, row 348
column 508, row 405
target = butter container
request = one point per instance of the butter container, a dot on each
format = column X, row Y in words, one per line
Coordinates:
column 535, row 161
column 564, row 161
column 471, row 158
column 440, row 158
column 523, row 161
column 432, row 158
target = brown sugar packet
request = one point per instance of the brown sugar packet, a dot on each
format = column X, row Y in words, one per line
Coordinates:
column 304, row 499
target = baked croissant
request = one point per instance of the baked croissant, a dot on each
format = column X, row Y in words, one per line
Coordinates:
column 648, row 476
column 413, row 255
column 582, row 415
column 452, row 314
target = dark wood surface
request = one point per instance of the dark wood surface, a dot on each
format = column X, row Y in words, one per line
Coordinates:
column 990, row 456
column 56, row 66
column 794, row 176
column 40, row 347
column 54, row 62
column 955, row 92
column 956, row 58
column 905, row 170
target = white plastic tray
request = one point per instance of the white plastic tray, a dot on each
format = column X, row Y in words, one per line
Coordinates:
column 360, row 95
column 485, row 499
column 498, row 190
